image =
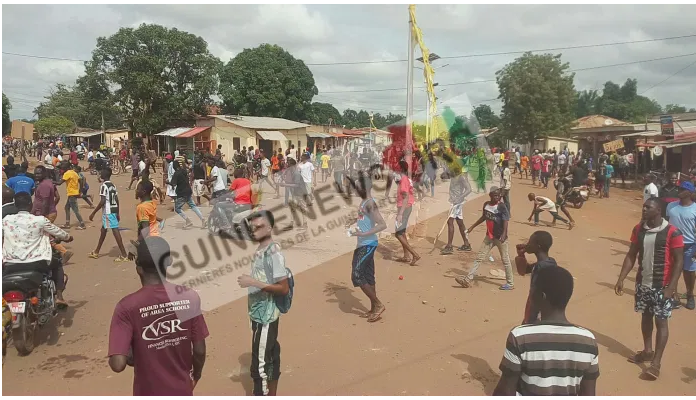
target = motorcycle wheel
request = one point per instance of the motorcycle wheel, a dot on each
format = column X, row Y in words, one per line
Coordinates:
column 23, row 336
column 212, row 225
column 578, row 205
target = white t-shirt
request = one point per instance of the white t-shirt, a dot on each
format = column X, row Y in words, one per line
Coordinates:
column 90, row 154
column 561, row 159
column 306, row 170
column 221, row 181
column 496, row 158
column 649, row 191
column 100, row 154
column 141, row 166
column 264, row 166
column 549, row 206
column 291, row 154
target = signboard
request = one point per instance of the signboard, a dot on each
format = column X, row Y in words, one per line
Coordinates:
column 667, row 125
column 613, row 145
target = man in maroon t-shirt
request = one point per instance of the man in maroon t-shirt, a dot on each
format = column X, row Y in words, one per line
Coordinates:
column 159, row 330
column 536, row 167
column 659, row 248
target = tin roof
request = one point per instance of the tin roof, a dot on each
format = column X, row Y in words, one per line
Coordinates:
column 260, row 123
column 173, row 132
column 597, row 121
column 192, row 132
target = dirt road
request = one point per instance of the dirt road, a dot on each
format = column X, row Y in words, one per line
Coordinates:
column 451, row 345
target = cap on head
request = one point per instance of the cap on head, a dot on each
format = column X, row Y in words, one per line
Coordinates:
column 493, row 189
column 686, row 185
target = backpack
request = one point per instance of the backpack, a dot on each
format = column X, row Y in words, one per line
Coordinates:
column 282, row 302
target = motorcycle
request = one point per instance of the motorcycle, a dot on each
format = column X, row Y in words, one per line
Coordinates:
column 81, row 155
column 237, row 215
column 578, row 195
column 6, row 327
column 30, row 295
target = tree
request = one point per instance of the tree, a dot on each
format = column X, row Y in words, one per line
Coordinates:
column 324, row 113
column 6, row 121
column 674, row 109
column 486, row 116
column 267, row 81
column 586, row 103
column 160, row 75
column 624, row 103
column 54, row 125
column 538, row 97
column 63, row 101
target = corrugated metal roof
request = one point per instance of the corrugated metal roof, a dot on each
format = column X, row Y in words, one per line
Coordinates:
column 597, row 121
column 193, row 132
column 318, row 135
column 84, row 134
column 262, row 123
column 173, row 132
column 272, row 135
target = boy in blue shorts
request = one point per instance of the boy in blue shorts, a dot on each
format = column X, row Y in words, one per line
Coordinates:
column 110, row 217
column 84, row 187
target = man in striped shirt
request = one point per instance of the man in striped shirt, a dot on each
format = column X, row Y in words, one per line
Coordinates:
column 659, row 247
column 550, row 357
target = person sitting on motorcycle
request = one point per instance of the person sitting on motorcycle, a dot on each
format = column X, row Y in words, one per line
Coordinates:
column 27, row 245
column 241, row 190
column 563, row 188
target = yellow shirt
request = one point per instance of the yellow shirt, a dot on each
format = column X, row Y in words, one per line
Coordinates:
column 325, row 161
column 72, row 182
column 147, row 212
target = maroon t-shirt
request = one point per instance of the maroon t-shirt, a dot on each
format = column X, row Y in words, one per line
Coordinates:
column 161, row 331
column 45, row 193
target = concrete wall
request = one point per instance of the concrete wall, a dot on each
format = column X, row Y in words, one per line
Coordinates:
column 120, row 135
column 28, row 130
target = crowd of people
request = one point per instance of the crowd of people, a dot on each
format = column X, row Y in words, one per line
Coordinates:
column 173, row 366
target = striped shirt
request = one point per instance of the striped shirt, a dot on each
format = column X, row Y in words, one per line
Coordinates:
column 551, row 359
column 655, row 247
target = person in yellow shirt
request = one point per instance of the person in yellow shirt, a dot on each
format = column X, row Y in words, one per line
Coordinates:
column 325, row 166
column 72, row 184
column 524, row 163
column 146, row 212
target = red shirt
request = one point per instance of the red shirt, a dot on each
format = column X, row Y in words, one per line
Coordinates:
column 123, row 154
column 242, row 190
column 536, row 162
column 73, row 157
column 655, row 253
column 545, row 165
column 160, row 323
column 405, row 185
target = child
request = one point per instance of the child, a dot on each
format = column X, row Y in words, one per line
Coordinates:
column 539, row 244
column 84, row 187
column 146, row 211
column 110, row 216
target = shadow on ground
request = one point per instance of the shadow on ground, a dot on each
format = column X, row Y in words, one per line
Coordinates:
column 345, row 297
column 689, row 374
column 615, row 240
column 243, row 376
column 626, row 290
column 479, row 370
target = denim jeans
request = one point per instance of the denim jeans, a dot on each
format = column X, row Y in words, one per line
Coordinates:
column 338, row 178
column 179, row 203
column 71, row 204
column 485, row 250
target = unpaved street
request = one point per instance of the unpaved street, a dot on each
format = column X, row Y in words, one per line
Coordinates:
column 435, row 337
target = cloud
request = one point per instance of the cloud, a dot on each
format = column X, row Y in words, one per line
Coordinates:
column 328, row 33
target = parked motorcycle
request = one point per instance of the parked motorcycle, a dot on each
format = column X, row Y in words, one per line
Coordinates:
column 577, row 196
column 30, row 295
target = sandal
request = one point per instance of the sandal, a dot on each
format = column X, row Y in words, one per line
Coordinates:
column 414, row 261
column 377, row 315
column 447, row 250
column 463, row 281
column 402, row 260
column 366, row 315
column 641, row 357
column 93, row 255
column 464, row 247
column 121, row 259
column 653, row 371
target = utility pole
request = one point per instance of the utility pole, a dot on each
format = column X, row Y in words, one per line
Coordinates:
column 409, row 95
column 103, row 134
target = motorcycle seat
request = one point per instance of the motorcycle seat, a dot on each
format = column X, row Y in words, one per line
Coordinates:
column 24, row 281
column 241, row 216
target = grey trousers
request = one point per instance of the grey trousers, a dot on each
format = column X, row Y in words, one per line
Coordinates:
column 485, row 250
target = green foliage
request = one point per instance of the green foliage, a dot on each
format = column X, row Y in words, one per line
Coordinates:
column 54, row 125
column 674, row 109
column 486, row 117
column 6, row 122
column 324, row 114
column 624, row 103
column 538, row 97
column 267, row 81
column 160, row 75
column 63, row 101
column 586, row 103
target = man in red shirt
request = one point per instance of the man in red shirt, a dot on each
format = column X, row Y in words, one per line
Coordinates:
column 404, row 204
column 536, row 167
column 659, row 247
column 158, row 330
column 73, row 156
column 241, row 189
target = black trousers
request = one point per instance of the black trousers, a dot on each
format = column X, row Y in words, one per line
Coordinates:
column 265, row 355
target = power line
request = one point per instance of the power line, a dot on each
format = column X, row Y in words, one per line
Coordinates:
column 493, row 80
column 586, row 46
column 512, row 52
column 668, row 78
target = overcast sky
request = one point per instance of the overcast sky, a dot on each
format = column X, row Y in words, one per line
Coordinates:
column 327, row 33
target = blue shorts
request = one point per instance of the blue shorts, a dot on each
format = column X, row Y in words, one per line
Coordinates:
column 689, row 251
column 109, row 221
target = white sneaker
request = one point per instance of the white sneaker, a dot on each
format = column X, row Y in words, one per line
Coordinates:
column 491, row 259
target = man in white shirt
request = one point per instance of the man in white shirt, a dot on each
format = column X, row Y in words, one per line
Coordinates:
column 542, row 204
column 218, row 177
column 506, row 184
column 265, row 171
column 650, row 189
column 27, row 245
column 307, row 170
